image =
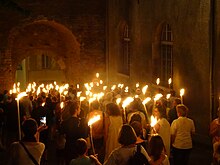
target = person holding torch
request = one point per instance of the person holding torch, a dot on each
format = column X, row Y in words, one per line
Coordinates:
column 113, row 123
column 162, row 127
column 97, row 129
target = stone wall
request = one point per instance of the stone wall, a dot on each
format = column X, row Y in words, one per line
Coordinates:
column 84, row 19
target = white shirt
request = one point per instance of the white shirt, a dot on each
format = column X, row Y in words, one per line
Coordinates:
column 121, row 155
column 18, row 155
column 182, row 128
column 164, row 132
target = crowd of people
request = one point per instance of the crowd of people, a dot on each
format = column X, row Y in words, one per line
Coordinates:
column 113, row 139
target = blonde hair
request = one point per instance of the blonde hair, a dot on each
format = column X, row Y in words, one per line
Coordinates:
column 182, row 110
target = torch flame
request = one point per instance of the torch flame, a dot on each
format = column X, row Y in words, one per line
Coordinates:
column 93, row 120
column 97, row 75
column 158, row 81
column 20, row 95
column 158, row 96
column 182, row 92
column 146, row 100
column 61, row 105
column 144, row 89
column 168, row 96
column 127, row 101
column 169, row 81
column 118, row 100
column 153, row 121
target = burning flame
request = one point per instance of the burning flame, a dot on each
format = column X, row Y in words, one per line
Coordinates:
column 158, row 81
column 93, row 120
column 168, row 96
column 169, row 81
column 146, row 100
column 127, row 101
column 20, row 95
column 158, row 96
column 61, row 105
column 118, row 100
column 97, row 75
column 182, row 92
column 153, row 121
column 144, row 89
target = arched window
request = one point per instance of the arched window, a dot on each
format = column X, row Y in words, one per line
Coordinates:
column 166, row 54
column 124, row 57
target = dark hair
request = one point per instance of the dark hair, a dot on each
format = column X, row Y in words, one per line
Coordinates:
column 135, row 117
column 39, row 101
column 73, row 107
column 178, row 101
column 81, row 146
column 48, row 101
column 127, row 135
column 113, row 109
column 162, row 111
column 137, row 126
column 95, row 104
column 156, row 147
column 29, row 128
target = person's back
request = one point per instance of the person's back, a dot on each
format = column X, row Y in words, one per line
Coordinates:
column 182, row 130
column 83, row 159
column 97, row 127
column 17, row 152
column 121, row 155
column 156, row 150
column 73, row 129
column 19, row 156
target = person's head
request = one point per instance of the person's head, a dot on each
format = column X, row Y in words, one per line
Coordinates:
column 156, row 147
column 39, row 101
column 113, row 109
column 109, row 96
column 137, row 126
column 48, row 100
column 159, row 111
column 95, row 105
column 29, row 129
column 81, row 146
column 176, row 102
column 74, row 108
column 135, row 117
column 127, row 135
column 182, row 110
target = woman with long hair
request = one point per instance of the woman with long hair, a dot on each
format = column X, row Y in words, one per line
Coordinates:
column 156, row 150
column 113, row 123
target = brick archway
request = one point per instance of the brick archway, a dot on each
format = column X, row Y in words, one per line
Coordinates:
column 47, row 35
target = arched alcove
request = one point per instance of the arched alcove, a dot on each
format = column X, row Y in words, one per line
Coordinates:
column 37, row 37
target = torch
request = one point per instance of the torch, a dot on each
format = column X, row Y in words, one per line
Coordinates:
column 153, row 123
column 20, row 95
column 126, row 102
column 181, row 94
column 169, row 82
column 144, row 103
column 90, row 123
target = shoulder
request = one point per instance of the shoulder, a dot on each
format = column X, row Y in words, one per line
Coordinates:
column 166, row 160
column 14, row 145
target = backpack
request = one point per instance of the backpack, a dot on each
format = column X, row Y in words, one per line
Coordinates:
column 138, row 158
